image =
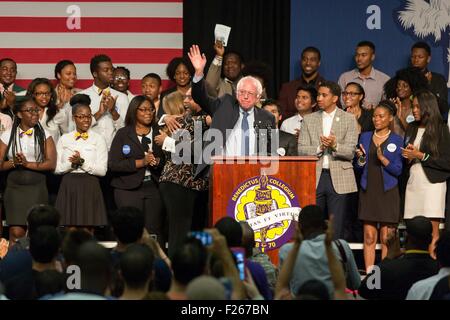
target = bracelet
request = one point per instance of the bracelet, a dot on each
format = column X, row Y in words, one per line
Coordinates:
column 425, row 157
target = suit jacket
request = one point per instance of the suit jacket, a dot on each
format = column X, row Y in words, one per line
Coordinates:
column 123, row 166
column 345, row 129
column 225, row 113
column 436, row 168
column 394, row 169
column 288, row 142
column 398, row 275
column 215, row 84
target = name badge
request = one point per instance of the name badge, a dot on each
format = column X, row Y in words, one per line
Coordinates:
column 126, row 149
column 391, row 147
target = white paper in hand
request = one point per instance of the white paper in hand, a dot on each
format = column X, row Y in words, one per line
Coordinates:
column 221, row 33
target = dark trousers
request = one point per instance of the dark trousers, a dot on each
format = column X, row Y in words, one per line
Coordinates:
column 148, row 199
column 332, row 203
column 180, row 204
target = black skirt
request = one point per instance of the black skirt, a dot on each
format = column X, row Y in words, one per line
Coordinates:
column 24, row 189
column 80, row 201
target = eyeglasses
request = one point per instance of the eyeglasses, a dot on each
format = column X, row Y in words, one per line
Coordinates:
column 120, row 78
column 187, row 96
column 246, row 93
column 351, row 94
column 42, row 94
column 31, row 110
column 144, row 110
column 83, row 116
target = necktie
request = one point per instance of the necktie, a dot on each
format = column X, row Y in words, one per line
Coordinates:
column 145, row 142
column 83, row 135
column 245, row 148
column 29, row 132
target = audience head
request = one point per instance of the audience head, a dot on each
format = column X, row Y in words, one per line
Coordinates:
column 231, row 230
column 151, row 86
column 81, row 112
column 189, row 102
column 141, row 110
column 313, row 290
column 233, row 63
column 364, row 55
column 44, row 244
column 310, row 61
column 419, row 233
column 128, row 224
column 249, row 90
column 384, row 114
column 328, row 95
column 71, row 244
column 312, row 220
column 189, row 261
column 95, row 263
column 353, row 96
column 48, row 282
column 42, row 215
column 420, row 55
column 180, row 71
column 121, row 81
column 41, row 89
column 173, row 103
column 443, row 249
column 66, row 73
column 205, row 288
column 306, row 99
column 102, row 70
column 248, row 238
column 8, row 71
column 274, row 108
column 136, row 266
column 405, row 83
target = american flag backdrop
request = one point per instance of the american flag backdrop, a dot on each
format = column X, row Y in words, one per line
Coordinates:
column 142, row 35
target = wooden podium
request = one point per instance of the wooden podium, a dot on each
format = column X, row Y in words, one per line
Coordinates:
column 230, row 175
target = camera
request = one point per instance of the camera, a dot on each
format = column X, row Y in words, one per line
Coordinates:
column 204, row 237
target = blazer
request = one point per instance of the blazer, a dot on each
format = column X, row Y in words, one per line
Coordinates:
column 225, row 113
column 123, row 165
column 392, row 152
column 344, row 127
column 436, row 168
column 288, row 142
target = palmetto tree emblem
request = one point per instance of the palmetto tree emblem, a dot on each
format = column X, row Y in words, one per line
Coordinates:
column 428, row 18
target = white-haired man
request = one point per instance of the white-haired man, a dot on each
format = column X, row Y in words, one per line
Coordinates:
column 235, row 117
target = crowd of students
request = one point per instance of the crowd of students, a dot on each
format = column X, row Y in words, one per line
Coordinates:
column 88, row 152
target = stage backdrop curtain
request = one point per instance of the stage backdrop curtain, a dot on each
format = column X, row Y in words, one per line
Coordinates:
column 260, row 31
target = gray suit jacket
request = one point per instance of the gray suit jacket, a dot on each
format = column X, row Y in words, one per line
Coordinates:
column 341, row 168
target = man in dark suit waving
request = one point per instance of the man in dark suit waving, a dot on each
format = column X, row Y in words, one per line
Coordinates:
column 233, row 119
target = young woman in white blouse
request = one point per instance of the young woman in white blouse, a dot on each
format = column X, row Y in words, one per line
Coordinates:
column 52, row 118
column 27, row 151
column 82, row 158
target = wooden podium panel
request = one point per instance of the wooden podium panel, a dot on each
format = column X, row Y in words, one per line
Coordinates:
column 227, row 173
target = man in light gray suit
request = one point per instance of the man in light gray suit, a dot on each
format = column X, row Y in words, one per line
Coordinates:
column 331, row 134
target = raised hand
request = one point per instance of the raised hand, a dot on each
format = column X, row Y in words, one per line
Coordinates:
column 218, row 47
column 198, row 60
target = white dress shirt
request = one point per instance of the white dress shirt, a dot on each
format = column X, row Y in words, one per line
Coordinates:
column 422, row 290
column 233, row 146
column 291, row 124
column 93, row 150
column 57, row 125
column 25, row 144
column 327, row 122
column 105, row 125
